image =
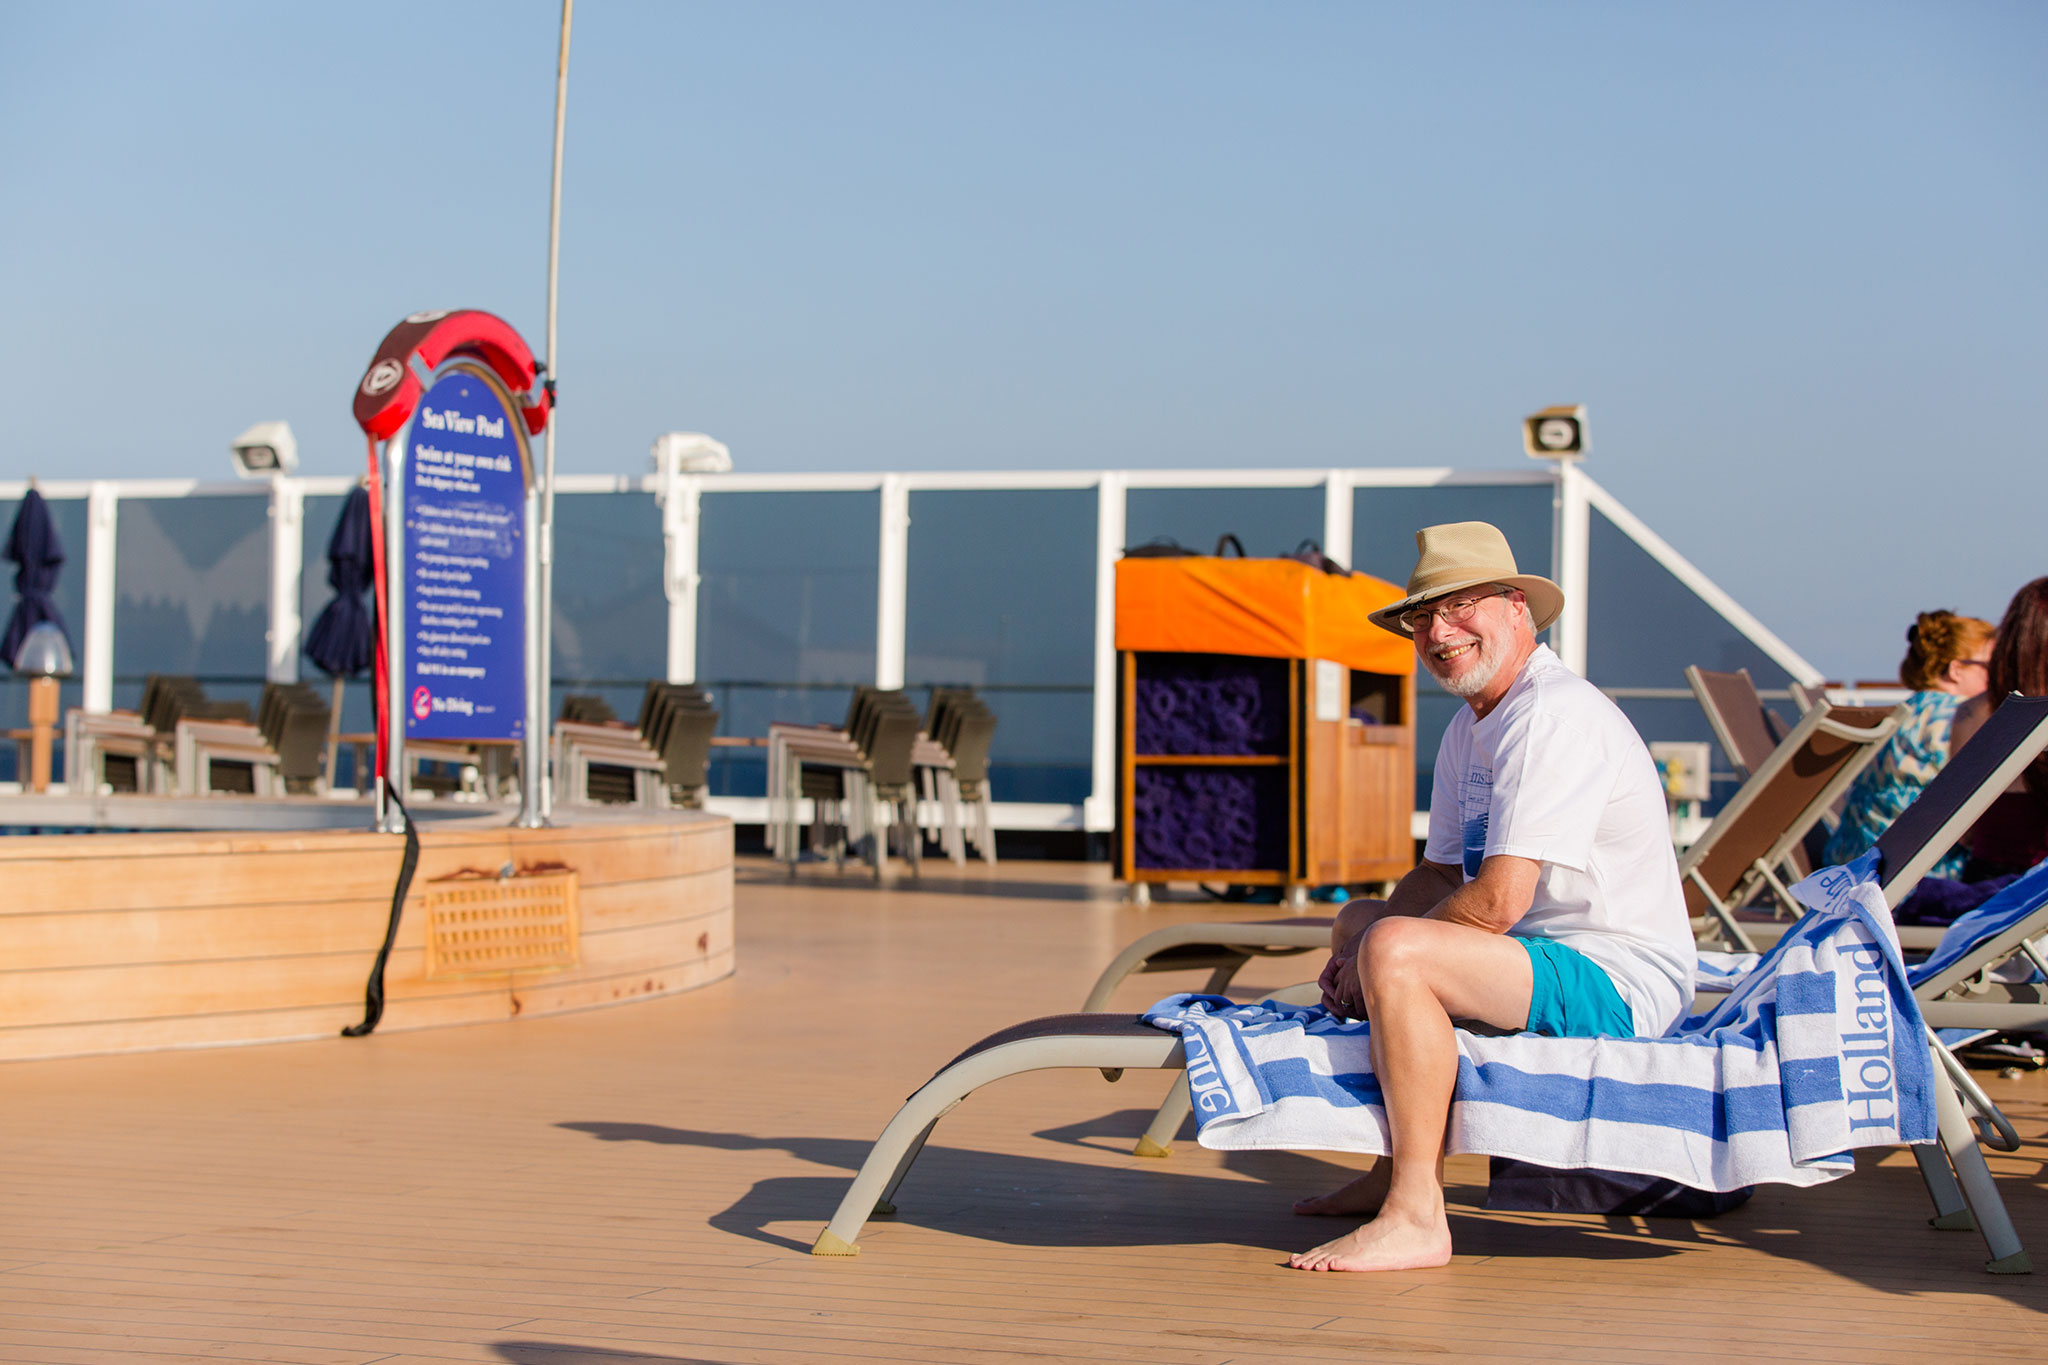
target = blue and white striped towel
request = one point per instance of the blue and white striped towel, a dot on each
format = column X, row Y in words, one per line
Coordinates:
column 2002, row 911
column 1819, row 1051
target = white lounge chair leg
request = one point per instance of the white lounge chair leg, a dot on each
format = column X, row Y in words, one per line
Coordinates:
column 1951, row 1210
column 905, row 1134
column 2008, row 1257
column 1157, row 1139
column 2003, row 1137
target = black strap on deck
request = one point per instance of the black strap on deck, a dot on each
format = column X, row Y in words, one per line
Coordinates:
column 373, row 993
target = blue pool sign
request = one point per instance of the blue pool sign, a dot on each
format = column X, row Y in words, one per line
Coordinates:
column 463, row 563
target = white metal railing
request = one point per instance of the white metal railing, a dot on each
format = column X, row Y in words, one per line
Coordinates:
column 1574, row 496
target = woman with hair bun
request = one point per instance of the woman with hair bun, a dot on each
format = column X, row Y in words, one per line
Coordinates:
column 1947, row 661
column 2013, row 835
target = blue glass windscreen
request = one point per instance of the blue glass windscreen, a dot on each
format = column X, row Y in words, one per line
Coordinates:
column 610, row 634
column 192, row 593
column 67, row 515
column 785, row 614
column 1002, row 599
column 1644, row 626
column 1384, row 523
column 1266, row 521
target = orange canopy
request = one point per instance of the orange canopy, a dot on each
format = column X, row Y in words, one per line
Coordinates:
column 1273, row 608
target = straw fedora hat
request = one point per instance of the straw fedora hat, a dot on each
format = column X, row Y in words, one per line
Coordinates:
column 1468, row 554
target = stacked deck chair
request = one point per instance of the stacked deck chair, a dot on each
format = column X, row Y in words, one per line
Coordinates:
column 961, row 727
column 1742, row 854
column 292, row 718
column 599, row 761
column 213, row 746
column 844, row 774
column 1794, row 1098
column 114, row 750
column 677, row 722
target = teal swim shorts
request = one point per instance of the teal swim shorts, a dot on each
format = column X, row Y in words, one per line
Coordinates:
column 1573, row 997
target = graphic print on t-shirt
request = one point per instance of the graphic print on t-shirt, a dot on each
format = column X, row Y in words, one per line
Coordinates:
column 1475, row 799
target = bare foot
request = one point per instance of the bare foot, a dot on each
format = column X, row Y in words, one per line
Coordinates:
column 1389, row 1242
column 1359, row 1199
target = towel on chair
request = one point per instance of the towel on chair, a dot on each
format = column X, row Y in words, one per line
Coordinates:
column 2016, row 900
column 1818, row 1051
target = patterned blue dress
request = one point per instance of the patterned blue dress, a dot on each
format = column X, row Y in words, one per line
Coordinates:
column 1907, row 762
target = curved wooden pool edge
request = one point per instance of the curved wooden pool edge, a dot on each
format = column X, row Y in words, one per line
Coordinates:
column 142, row 942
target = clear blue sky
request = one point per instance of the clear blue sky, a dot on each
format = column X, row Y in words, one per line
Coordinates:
column 1791, row 255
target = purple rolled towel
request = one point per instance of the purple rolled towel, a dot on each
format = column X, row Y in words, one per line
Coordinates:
column 1937, row 900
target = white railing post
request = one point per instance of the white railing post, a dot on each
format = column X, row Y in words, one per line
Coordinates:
column 892, row 586
column 287, row 564
column 1337, row 511
column 102, row 522
column 1098, row 812
column 681, row 504
column 1571, row 553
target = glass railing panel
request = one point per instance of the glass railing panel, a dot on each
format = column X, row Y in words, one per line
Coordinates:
column 192, row 593
column 785, row 614
column 1266, row 521
column 1384, row 523
column 1001, row 598
column 1644, row 625
column 1385, row 520
column 610, row 633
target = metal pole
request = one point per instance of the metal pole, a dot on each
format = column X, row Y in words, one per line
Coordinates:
column 537, row 744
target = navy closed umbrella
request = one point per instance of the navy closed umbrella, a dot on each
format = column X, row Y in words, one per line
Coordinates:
column 343, row 640
column 33, row 546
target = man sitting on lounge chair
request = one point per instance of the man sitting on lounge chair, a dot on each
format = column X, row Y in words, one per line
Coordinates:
column 1547, row 899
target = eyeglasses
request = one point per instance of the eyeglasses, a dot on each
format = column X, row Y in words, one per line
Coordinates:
column 1974, row 663
column 1455, row 612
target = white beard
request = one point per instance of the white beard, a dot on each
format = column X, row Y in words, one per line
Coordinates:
column 1473, row 680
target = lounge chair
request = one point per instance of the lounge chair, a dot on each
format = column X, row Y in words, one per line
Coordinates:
column 1966, row 987
column 1761, row 829
column 1740, row 853
column 1746, row 729
column 1958, row 1181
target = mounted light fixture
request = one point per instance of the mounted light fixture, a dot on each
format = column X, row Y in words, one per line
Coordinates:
column 689, row 452
column 1555, row 433
column 265, row 451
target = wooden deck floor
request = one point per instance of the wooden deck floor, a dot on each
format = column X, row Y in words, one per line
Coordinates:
column 642, row 1184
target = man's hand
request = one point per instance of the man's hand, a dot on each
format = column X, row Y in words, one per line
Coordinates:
column 1342, row 995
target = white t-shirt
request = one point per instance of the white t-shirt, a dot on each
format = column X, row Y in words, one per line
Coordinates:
column 1556, row 774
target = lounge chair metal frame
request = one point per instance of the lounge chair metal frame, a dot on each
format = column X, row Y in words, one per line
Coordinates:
column 1832, row 744
column 1958, row 1181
